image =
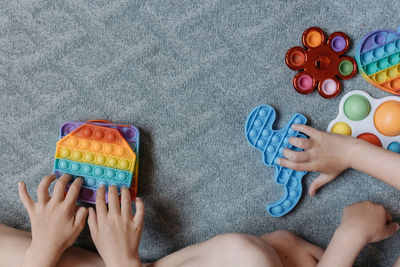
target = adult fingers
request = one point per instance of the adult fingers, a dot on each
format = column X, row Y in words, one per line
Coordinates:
column 321, row 180
column 73, row 192
column 59, row 188
column 126, row 204
column 308, row 130
column 300, row 142
column 101, row 207
column 25, row 198
column 297, row 156
column 113, row 200
column 390, row 229
column 43, row 188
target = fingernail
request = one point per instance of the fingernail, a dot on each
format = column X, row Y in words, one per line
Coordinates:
column 20, row 183
column 102, row 186
column 278, row 161
column 397, row 227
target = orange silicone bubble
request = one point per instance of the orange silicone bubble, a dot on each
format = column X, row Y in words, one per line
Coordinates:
column 387, row 118
column 370, row 138
column 314, row 38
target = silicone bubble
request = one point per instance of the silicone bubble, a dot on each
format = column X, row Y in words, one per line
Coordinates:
column 387, row 118
column 314, row 39
column 338, row 43
column 341, row 128
column 304, row 82
column 329, row 87
column 394, row 146
column 370, row 138
column 271, row 143
column 357, row 107
column 345, row 67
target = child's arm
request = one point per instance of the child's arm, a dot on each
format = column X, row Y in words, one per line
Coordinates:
column 362, row 223
column 116, row 232
column 330, row 154
column 55, row 220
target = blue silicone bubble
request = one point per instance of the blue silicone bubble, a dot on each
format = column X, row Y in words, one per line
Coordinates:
column 259, row 134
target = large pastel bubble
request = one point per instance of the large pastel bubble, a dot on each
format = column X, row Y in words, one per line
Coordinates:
column 357, row 107
column 387, row 118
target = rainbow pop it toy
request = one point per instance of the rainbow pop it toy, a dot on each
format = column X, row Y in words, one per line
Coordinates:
column 99, row 152
column 378, row 58
column 374, row 120
column 259, row 134
column 321, row 64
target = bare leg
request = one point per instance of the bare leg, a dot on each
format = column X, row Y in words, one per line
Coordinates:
column 14, row 242
column 293, row 250
column 397, row 263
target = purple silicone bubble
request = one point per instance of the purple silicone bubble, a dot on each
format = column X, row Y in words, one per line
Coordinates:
column 68, row 128
column 130, row 134
column 368, row 44
column 338, row 43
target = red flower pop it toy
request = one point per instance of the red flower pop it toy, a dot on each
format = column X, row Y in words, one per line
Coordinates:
column 321, row 63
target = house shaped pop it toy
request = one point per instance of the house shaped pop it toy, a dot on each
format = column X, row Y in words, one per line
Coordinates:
column 374, row 120
column 321, row 63
column 378, row 58
column 100, row 153
column 259, row 133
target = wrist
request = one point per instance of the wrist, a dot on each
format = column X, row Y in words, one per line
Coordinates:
column 351, row 236
column 39, row 256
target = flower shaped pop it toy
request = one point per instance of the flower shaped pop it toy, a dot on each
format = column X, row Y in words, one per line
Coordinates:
column 320, row 63
column 378, row 58
column 259, row 134
column 374, row 120
column 99, row 152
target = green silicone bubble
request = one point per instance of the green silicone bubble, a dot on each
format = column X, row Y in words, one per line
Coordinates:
column 345, row 67
column 357, row 107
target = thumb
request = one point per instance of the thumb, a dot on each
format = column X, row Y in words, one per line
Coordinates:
column 391, row 228
column 321, row 180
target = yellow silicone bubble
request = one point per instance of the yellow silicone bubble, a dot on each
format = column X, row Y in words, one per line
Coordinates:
column 65, row 153
column 124, row 164
column 100, row 159
column 77, row 155
column 112, row 162
column 341, row 128
column 89, row 157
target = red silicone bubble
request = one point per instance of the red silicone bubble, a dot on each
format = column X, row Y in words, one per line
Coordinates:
column 304, row 83
column 370, row 138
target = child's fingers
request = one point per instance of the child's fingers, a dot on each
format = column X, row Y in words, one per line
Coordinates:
column 126, row 205
column 113, row 200
column 73, row 192
column 92, row 221
column 24, row 196
column 43, row 188
column 139, row 215
column 321, row 180
column 101, row 207
column 308, row 130
column 300, row 142
column 298, row 166
column 59, row 188
column 297, row 156
column 80, row 218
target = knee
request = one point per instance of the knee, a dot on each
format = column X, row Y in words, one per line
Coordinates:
column 250, row 250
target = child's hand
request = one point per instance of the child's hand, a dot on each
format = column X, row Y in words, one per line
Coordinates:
column 367, row 220
column 55, row 220
column 362, row 223
column 116, row 232
column 327, row 153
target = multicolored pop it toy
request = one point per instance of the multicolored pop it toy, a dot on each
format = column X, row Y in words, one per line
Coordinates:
column 320, row 63
column 374, row 120
column 378, row 58
column 259, row 134
column 99, row 152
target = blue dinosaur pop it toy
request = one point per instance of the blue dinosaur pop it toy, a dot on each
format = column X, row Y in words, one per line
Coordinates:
column 259, row 134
